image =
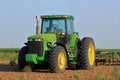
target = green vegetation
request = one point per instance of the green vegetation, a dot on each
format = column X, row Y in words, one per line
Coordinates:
column 116, row 73
column 107, row 55
column 76, row 76
column 10, row 54
column 108, row 50
column 9, row 50
column 21, row 78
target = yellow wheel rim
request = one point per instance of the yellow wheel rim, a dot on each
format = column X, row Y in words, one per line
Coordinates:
column 91, row 54
column 61, row 60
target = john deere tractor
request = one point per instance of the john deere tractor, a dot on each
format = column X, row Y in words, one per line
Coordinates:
column 57, row 46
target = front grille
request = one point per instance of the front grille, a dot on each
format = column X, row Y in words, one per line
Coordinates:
column 35, row 47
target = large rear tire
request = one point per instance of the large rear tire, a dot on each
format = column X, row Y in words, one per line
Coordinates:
column 87, row 54
column 57, row 60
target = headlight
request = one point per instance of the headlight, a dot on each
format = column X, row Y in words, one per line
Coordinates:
column 38, row 40
column 29, row 39
column 34, row 39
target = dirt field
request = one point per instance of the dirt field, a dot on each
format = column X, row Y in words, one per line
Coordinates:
column 10, row 72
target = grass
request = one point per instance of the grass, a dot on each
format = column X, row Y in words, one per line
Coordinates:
column 9, row 50
column 21, row 78
column 9, row 54
column 76, row 76
column 108, row 50
column 116, row 73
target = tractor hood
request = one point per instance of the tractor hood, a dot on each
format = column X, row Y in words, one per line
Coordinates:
column 47, row 37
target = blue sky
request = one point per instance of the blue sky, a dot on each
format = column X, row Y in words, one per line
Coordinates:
column 99, row 19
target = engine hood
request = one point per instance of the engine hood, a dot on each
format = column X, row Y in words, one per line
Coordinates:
column 43, row 36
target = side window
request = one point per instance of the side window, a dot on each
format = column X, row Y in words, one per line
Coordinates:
column 70, row 26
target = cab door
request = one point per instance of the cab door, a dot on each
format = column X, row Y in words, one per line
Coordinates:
column 70, row 29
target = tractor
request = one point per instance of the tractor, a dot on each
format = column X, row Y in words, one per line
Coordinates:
column 56, row 46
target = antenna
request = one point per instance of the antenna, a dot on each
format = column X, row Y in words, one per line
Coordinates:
column 70, row 6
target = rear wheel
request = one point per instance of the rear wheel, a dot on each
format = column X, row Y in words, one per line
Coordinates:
column 57, row 60
column 23, row 66
column 87, row 54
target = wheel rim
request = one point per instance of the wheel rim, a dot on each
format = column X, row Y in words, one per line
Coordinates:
column 61, row 60
column 91, row 54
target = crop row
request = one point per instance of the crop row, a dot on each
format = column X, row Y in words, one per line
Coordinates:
column 9, row 54
column 9, row 50
column 108, row 50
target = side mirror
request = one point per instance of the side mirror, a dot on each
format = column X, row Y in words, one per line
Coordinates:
column 75, row 32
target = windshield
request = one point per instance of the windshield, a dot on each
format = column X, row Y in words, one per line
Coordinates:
column 53, row 25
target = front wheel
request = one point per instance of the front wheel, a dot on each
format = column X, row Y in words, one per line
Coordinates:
column 87, row 53
column 57, row 60
column 23, row 66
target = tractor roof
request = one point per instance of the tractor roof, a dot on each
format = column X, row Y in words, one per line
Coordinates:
column 57, row 16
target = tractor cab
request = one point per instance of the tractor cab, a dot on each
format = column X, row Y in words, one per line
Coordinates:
column 61, row 25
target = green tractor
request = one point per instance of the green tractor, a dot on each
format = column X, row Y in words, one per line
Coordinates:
column 56, row 46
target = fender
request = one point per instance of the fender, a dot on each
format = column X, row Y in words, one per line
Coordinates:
column 72, row 40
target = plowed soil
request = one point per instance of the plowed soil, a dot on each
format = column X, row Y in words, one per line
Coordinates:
column 11, row 72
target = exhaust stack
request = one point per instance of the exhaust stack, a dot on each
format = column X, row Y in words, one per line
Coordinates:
column 37, row 26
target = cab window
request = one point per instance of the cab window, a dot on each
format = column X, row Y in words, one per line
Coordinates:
column 70, row 26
